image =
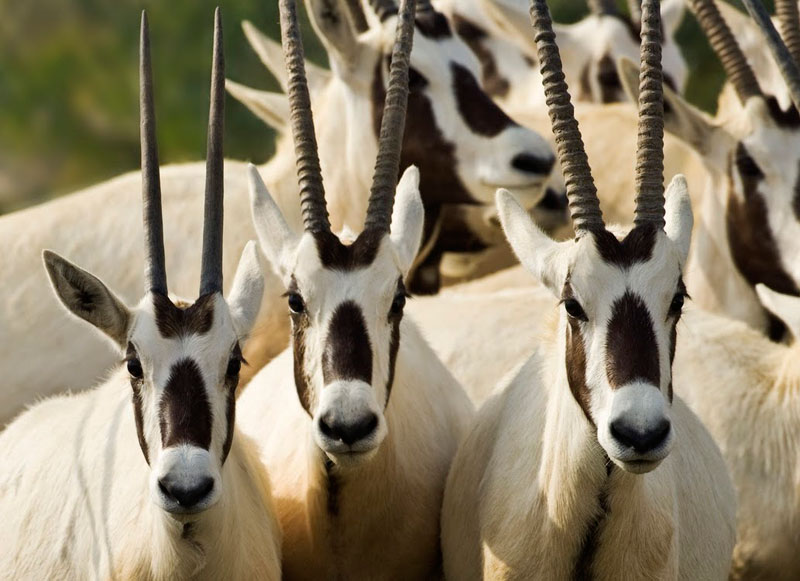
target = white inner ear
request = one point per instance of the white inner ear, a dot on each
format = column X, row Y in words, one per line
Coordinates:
column 785, row 307
column 277, row 240
column 244, row 300
column 678, row 215
column 535, row 250
column 272, row 108
column 408, row 219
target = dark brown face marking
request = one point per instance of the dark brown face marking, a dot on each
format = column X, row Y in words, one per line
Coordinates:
column 423, row 144
column 184, row 411
column 789, row 119
column 348, row 351
column 631, row 345
column 608, row 79
column 302, row 381
column 635, row 248
column 136, row 385
column 493, row 82
column 180, row 321
column 753, row 248
column 480, row 113
column 433, row 25
column 231, row 382
column 337, row 256
column 394, row 342
column 576, row 360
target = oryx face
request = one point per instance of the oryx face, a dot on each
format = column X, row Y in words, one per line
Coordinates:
column 345, row 300
column 183, row 365
column 621, row 302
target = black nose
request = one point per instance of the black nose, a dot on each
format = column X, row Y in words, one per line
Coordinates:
column 553, row 200
column 348, row 432
column 641, row 440
column 533, row 163
column 186, row 496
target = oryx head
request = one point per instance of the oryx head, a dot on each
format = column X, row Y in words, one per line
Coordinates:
column 183, row 359
column 345, row 296
column 498, row 31
column 754, row 152
column 464, row 145
column 621, row 293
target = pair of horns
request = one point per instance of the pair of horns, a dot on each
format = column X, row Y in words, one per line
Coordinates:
column 155, row 269
column 312, row 193
column 581, row 191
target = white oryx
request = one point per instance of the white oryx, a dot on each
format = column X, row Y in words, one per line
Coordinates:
column 145, row 476
column 461, row 140
column 749, row 223
column 498, row 32
column 585, row 466
column 358, row 420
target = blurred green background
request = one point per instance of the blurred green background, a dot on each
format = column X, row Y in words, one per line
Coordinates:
column 69, row 96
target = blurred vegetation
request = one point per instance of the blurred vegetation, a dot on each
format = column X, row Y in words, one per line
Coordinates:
column 69, row 96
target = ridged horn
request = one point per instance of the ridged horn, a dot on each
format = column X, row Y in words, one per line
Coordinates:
column 357, row 17
column 155, row 273
column 211, row 269
column 650, row 142
column 789, row 20
column 781, row 54
column 309, row 174
column 726, row 48
column 584, row 205
column 383, row 8
column 603, row 7
column 387, row 166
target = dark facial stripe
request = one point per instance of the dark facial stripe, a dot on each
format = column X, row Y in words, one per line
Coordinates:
column 637, row 246
column 337, row 256
column 789, row 119
column 480, row 113
column 575, row 358
column 423, row 145
column 136, row 385
column 609, row 81
column 179, row 321
column 433, row 25
column 184, row 411
column 230, row 408
column 753, row 248
column 493, row 82
column 301, row 380
column 631, row 345
column 394, row 347
column 348, row 352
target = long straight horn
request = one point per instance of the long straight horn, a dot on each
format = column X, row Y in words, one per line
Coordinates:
column 603, row 7
column 781, row 54
column 211, row 271
column 650, row 143
column 309, row 174
column 155, row 273
column 357, row 17
column 383, row 8
column 789, row 19
column 387, row 166
column 581, row 192
column 727, row 49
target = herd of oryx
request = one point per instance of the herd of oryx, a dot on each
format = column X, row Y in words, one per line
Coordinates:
column 576, row 416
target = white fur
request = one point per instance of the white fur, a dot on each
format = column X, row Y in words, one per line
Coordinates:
column 526, row 484
column 370, row 508
column 79, row 500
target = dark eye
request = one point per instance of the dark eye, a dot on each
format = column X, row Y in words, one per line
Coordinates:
column 398, row 303
column 575, row 310
column 135, row 368
column 234, row 366
column 296, row 303
column 676, row 306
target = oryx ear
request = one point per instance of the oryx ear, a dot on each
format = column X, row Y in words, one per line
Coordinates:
column 512, row 16
column 536, row 251
column 672, row 12
column 332, row 25
column 277, row 240
column 678, row 215
column 271, row 108
column 86, row 297
column 785, row 307
column 408, row 219
column 683, row 120
column 244, row 300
